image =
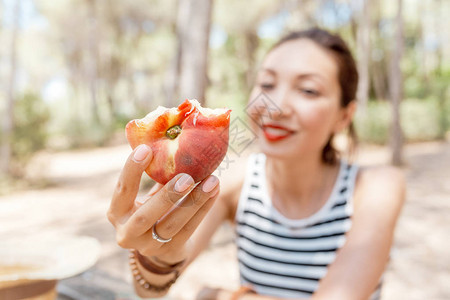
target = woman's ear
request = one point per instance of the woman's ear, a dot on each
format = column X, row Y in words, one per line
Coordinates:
column 346, row 115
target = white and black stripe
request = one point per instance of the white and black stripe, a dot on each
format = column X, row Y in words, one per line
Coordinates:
column 287, row 258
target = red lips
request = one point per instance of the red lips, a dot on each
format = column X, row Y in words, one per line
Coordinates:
column 275, row 132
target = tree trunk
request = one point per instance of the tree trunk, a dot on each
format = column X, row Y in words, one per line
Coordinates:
column 438, row 8
column 193, row 27
column 378, row 80
column 92, row 67
column 363, row 46
column 378, row 68
column 251, row 44
column 441, row 86
column 173, row 72
column 8, row 116
column 396, row 88
column 422, row 6
column 131, row 89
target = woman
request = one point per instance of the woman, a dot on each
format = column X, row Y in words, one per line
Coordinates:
column 309, row 224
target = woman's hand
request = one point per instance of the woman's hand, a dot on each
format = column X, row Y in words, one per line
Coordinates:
column 134, row 218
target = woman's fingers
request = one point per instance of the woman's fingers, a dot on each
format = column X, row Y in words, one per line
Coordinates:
column 180, row 223
column 128, row 184
column 142, row 199
column 173, row 222
column 158, row 205
column 188, row 229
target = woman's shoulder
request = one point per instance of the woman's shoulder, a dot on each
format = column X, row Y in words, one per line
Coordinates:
column 380, row 187
column 380, row 174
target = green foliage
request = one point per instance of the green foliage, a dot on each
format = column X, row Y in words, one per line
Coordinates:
column 373, row 126
column 415, row 87
column 121, row 120
column 87, row 134
column 421, row 120
column 31, row 117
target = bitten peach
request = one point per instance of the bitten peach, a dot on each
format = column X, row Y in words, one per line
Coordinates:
column 185, row 139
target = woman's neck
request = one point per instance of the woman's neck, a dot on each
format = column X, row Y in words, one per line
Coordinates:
column 299, row 187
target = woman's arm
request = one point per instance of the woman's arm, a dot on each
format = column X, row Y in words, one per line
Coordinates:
column 223, row 210
column 378, row 199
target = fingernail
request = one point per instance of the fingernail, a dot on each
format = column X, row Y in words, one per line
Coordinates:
column 141, row 200
column 141, row 152
column 183, row 183
column 153, row 189
column 210, row 184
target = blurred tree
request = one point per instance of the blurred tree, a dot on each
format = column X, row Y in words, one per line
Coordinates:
column 113, row 55
column 377, row 54
column 123, row 27
column 363, row 50
column 243, row 41
column 7, row 119
column 93, row 61
column 396, row 87
column 441, row 80
column 302, row 13
column 422, row 49
column 93, row 57
column 119, row 59
column 31, row 116
column 173, row 72
column 193, row 28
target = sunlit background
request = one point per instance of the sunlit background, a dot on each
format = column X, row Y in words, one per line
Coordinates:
column 74, row 72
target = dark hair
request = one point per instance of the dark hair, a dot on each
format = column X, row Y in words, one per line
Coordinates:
column 347, row 75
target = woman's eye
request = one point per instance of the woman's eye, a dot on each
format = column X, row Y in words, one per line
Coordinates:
column 309, row 92
column 266, row 86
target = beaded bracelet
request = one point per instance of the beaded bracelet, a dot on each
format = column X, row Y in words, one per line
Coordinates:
column 144, row 283
column 157, row 269
column 243, row 290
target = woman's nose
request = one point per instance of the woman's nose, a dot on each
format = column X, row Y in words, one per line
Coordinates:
column 263, row 106
column 269, row 106
column 283, row 105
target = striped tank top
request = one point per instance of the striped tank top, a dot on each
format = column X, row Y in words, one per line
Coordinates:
column 286, row 258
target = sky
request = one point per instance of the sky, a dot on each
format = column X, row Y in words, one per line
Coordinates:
column 29, row 15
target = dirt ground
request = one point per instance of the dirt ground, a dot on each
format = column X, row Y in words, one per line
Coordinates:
column 81, row 183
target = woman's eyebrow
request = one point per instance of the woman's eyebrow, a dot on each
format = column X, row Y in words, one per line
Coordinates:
column 309, row 75
column 272, row 72
column 299, row 76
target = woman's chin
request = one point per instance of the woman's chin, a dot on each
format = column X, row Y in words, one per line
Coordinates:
column 276, row 150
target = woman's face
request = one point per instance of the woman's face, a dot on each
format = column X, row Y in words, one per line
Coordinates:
column 296, row 100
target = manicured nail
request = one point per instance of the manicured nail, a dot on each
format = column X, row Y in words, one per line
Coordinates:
column 141, row 200
column 183, row 183
column 210, row 184
column 141, row 152
column 153, row 190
